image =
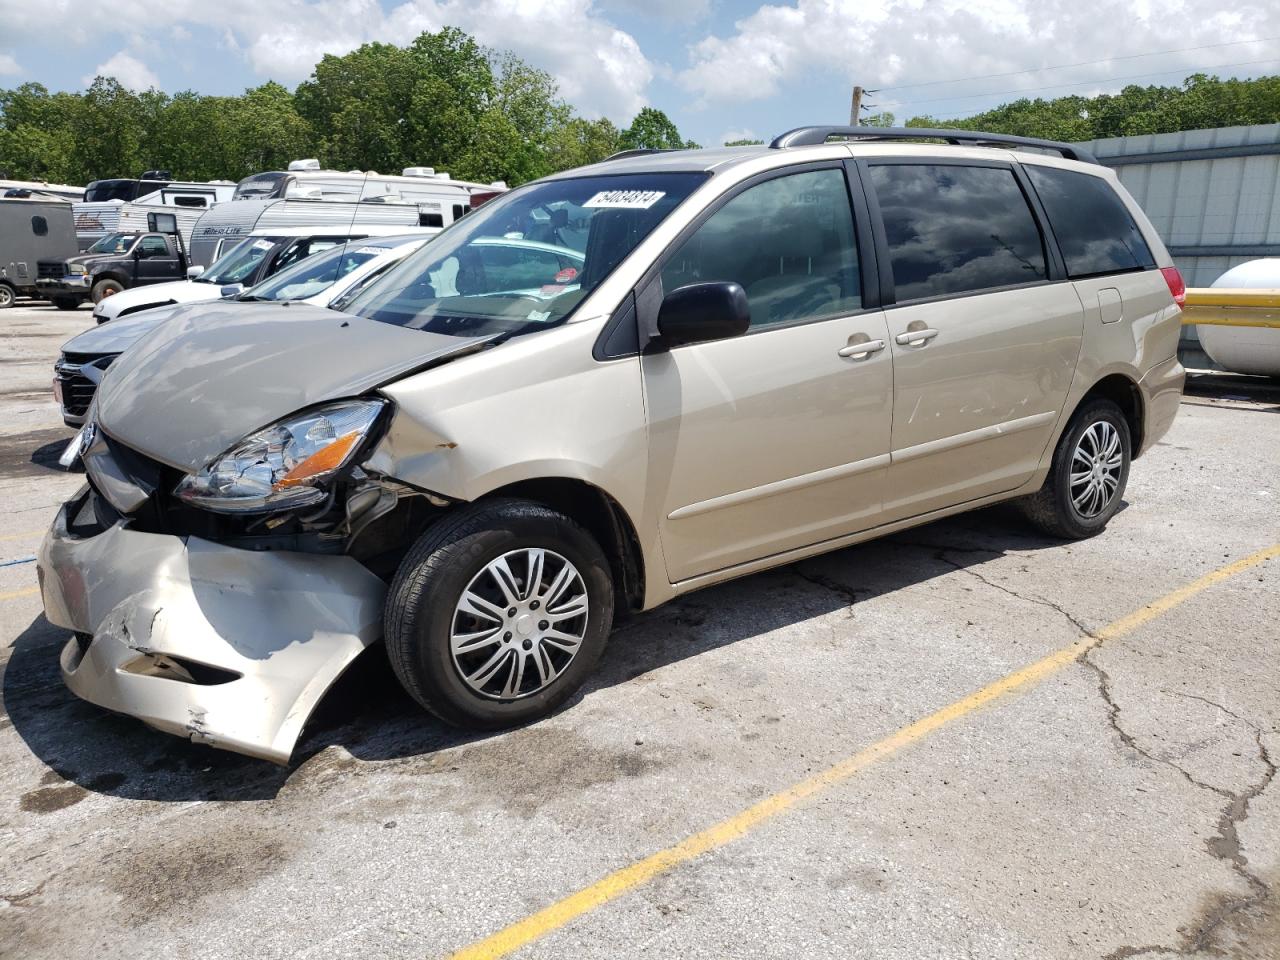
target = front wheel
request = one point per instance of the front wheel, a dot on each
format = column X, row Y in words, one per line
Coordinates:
column 1088, row 477
column 106, row 288
column 7, row 296
column 498, row 614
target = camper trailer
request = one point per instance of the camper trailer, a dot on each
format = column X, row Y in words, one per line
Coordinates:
column 304, row 180
column 122, row 205
column 29, row 230
column 227, row 224
column 40, row 189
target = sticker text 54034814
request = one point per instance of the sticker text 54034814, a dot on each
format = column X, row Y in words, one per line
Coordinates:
column 626, row 199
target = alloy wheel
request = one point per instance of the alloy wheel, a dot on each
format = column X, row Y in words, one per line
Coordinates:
column 1096, row 466
column 519, row 623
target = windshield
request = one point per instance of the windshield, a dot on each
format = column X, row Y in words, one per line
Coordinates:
column 114, row 243
column 261, row 186
column 523, row 262
column 314, row 274
column 239, row 263
column 102, row 190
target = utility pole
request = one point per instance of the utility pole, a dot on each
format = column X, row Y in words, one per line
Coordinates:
column 855, row 108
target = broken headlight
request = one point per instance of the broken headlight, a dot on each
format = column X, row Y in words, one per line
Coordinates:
column 285, row 465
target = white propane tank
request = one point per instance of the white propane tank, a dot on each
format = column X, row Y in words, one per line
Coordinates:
column 1253, row 350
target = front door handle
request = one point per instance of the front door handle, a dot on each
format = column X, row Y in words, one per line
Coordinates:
column 862, row 350
column 915, row 338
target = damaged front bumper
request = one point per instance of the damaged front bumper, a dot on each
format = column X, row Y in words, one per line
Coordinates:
column 225, row 646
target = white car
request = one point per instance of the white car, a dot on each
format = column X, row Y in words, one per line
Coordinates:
column 321, row 279
column 249, row 262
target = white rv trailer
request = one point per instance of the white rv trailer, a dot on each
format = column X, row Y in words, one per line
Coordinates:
column 305, row 180
column 227, row 224
column 63, row 190
column 121, row 206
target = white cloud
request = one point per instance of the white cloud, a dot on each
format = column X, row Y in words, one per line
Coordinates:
column 878, row 42
column 8, row 65
column 129, row 70
column 682, row 11
column 730, row 136
column 600, row 68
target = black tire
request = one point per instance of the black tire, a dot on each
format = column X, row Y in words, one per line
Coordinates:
column 66, row 303
column 7, row 296
column 1052, row 508
column 104, row 288
column 420, row 608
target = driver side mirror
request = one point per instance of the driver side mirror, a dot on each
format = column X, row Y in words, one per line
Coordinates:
column 699, row 312
column 193, row 272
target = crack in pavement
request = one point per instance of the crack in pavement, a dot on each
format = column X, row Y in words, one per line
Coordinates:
column 849, row 594
column 1224, row 845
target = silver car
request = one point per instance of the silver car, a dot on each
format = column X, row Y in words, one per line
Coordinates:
column 703, row 364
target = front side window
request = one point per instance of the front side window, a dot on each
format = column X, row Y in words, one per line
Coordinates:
column 1092, row 225
column 788, row 242
column 154, row 247
column 301, row 249
column 524, row 261
column 954, row 229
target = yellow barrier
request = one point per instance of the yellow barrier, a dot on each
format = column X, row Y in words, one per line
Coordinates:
column 1224, row 307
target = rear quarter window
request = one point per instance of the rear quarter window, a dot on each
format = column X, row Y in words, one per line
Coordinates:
column 1094, row 229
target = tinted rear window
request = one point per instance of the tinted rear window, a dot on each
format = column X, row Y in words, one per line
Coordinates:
column 955, row 229
column 1094, row 229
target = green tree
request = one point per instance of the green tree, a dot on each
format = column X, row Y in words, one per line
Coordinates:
column 653, row 130
column 743, row 143
column 577, row 142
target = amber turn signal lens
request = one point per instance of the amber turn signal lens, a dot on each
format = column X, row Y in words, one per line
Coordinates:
column 330, row 458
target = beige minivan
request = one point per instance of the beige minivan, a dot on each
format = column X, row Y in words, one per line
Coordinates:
column 706, row 363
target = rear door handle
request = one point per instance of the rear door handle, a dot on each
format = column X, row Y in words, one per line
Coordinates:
column 915, row 338
column 860, row 351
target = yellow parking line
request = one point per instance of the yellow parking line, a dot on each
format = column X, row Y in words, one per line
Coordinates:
column 622, row 881
column 23, row 535
column 15, row 594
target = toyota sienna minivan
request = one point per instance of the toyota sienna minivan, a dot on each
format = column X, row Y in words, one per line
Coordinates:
column 742, row 357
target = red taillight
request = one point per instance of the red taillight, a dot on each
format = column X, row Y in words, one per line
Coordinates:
column 1176, row 285
column 480, row 198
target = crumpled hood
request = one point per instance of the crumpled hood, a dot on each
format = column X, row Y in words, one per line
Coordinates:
column 215, row 372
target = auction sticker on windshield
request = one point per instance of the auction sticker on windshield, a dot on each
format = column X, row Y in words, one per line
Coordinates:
column 626, row 199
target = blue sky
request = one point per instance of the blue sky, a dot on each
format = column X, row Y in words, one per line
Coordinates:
column 719, row 68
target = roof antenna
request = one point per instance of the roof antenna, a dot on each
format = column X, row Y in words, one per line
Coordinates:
column 355, row 212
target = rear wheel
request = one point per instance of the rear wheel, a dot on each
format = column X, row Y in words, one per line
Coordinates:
column 106, row 288
column 7, row 296
column 498, row 614
column 1088, row 477
column 65, row 303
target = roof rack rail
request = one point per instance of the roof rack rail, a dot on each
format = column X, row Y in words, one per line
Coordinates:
column 809, row 136
column 637, row 152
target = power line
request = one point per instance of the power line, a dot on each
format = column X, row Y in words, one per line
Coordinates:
column 1082, row 63
column 1084, row 83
